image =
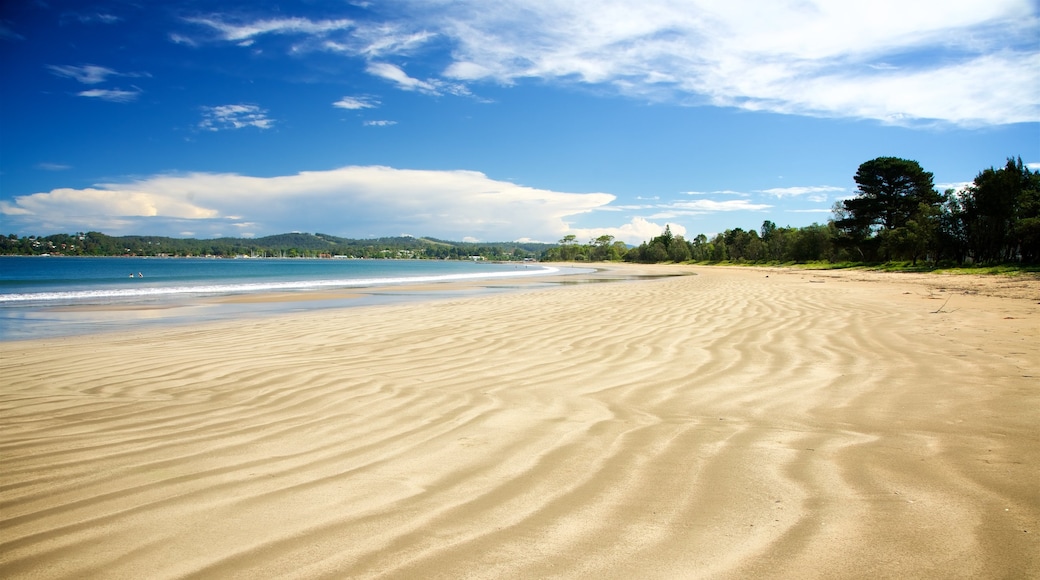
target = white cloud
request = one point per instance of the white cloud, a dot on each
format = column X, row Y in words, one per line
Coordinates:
column 181, row 39
column 1033, row 166
column 634, row 232
column 98, row 17
column 355, row 103
column 379, row 123
column 702, row 206
column 957, row 61
column 717, row 192
column 956, row 186
column 244, row 31
column 234, row 117
column 379, row 41
column 397, row 76
column 87, row 74
column 345, row 201
column 950, row 61
column 46, row 166
column 113, row 95
column 797, row 191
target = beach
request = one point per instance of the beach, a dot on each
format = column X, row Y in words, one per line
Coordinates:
column 641, row 422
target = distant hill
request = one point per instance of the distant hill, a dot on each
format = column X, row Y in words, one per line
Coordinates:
column 294, row 244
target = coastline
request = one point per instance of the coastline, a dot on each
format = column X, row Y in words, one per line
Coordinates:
column 734, row 423
column 122, row 310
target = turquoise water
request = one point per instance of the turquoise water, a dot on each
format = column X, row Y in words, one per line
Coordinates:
column 56, row 296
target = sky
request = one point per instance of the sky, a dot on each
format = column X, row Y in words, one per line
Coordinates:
column 470, row 120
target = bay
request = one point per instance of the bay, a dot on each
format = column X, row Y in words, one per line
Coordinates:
column 57, row 296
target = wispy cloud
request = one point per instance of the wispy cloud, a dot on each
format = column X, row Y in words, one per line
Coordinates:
column 717, row 192
column 99, row 18
column 87, row 74
column 377, row 41
column 234, row 117
column 379, row 123
column 90, row 74
column 355, row 103
column 396, row 75
column 938, row 62
column 8, row 33
column 53, row 166
column 113, row 95
column 347, row 201
column 800, row 191
column 182, row 39
column 813, row 193
column 247, row 30
column 812, row 57
column 702, row 206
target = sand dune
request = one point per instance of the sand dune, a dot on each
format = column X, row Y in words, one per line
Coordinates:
column 735, row 423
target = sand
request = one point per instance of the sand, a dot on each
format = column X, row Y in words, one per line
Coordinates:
column 734, row 423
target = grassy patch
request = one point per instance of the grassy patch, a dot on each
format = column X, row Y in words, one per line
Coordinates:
column 923, row 268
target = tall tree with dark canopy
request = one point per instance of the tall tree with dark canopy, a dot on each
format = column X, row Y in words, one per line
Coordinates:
column 894, row 194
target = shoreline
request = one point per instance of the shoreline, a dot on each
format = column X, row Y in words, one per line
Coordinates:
column 734, row 423
column 31, row 320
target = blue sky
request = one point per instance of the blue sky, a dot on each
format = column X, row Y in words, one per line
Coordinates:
column 495, row 121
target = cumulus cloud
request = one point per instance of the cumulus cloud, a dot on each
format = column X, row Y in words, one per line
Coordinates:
column 635, row 232
column 350, row 201
column 234, row 117
column 957, row 186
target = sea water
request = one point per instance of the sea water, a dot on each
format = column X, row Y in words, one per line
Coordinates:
column 55, row 296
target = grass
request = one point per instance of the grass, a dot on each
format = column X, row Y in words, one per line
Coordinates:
column 921, row 267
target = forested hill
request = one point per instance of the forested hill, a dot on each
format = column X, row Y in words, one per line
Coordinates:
column 293, row 245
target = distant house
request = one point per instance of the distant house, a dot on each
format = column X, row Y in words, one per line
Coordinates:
column 477, row 258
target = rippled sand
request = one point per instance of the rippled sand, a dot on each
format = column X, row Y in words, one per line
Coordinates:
column 735, row 423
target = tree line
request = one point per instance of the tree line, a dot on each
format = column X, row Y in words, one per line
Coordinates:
column 896, row 215
column 294, row 245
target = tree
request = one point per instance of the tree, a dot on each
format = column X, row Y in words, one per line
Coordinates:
column 679, row 250
column 656, row 252
column 891, row 194
column 569, row 248
column 999, row 214
column 603, row 249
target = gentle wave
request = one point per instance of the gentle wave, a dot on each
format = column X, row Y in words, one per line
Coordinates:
column 263, row 286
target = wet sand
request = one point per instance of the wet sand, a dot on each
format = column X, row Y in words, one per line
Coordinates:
column 734, row 423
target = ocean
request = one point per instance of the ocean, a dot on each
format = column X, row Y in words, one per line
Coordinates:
column 60, row 296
